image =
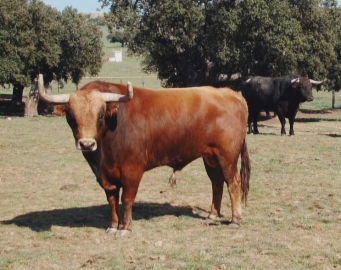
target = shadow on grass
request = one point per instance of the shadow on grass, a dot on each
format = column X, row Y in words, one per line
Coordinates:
column 333, row 135
column 313, row 119
column 94, row 216
column 322, row 111
column 9, row 108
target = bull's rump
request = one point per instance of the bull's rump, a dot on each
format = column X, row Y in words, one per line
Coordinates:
column 174, row 127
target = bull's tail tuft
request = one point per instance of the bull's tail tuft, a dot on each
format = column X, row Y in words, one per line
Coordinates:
column 245, row 172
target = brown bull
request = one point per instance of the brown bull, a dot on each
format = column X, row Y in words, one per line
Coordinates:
column 124, row 132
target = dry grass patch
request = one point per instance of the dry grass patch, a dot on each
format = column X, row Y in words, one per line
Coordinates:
column 53, row 213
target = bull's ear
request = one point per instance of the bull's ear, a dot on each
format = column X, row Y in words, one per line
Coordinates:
column 111, row 109
column 60, row 109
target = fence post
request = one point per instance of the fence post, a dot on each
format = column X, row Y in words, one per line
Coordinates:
column 333, row 99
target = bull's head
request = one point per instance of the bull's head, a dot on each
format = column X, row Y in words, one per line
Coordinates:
column 304, row 87
column 85, row 111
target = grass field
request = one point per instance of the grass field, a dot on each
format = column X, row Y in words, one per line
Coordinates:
column 53, row 214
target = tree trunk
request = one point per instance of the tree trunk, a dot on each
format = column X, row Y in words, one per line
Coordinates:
column 18, row 90
column 31, row 105
column 35, row 106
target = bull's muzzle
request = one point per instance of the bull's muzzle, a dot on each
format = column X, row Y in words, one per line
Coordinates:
column 310, row 99
column 86, row 145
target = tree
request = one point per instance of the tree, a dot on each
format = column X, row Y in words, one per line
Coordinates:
column 16, row 45
column 81, row 45
column 205, row 42
column 117, row 36
column 47, row 28
column 36, row 38
column 334, row 71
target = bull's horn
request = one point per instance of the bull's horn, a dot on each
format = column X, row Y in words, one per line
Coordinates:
column 62, row 98
column 295, row 80
column 248, row 80
column 317, row 82
column 112, row 97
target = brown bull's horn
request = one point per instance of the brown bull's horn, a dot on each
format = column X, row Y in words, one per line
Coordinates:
column 295, row 80
column 62, row 98
column 112, row 97
column 317, row 82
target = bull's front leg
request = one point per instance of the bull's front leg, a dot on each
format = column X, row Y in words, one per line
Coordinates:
column 128, row 197
column 291, row 122
column 282, row 120
column 113, row 200
column 131, row 177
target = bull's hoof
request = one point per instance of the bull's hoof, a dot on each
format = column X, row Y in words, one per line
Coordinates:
column 212, row 217
column 210, row 222
column 233, row 225
column 111, row 230
column 121, row 233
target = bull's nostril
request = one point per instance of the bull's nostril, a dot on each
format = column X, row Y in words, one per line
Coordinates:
column 87, row 145
column 83, row 144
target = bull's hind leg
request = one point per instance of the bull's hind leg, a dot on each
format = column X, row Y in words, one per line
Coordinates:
column 232, row 179
column 217, row 179
column 234, row 188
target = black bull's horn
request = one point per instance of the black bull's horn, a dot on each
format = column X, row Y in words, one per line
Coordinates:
column 64, row 98
column 311, row 81
column 317, row 82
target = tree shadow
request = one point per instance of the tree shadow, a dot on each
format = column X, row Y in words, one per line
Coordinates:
column 9, row 108
column 93, row 216
column 309, row 111
column 315, row 119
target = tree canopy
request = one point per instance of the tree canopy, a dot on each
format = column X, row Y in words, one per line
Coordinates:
column 205, row 42
column 36, row 38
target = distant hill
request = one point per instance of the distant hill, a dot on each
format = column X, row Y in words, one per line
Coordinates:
column 96, row 15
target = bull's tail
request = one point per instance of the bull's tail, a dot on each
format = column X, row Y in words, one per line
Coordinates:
column 245, row 171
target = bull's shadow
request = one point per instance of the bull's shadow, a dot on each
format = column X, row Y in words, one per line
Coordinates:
column 93, row 216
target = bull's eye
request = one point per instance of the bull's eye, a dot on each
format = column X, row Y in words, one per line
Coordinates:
column 100, row 119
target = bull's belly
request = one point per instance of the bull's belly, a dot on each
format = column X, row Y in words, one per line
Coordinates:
column 177, row 161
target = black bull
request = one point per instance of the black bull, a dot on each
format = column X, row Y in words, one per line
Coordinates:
column 282, row 95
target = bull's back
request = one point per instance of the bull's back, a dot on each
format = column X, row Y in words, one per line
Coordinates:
column 177, row 126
